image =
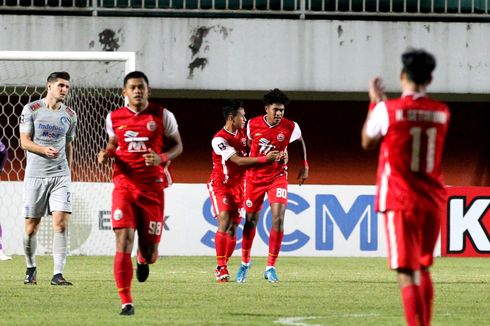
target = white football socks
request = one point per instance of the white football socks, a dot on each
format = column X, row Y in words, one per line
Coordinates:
column 59, row 251
column 30, row 245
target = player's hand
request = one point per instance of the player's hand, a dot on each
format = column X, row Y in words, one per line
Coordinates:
column 285, row 157
column 302, row 175
column 51, row 152
column 273, row 156
column 376, row 90
column 102, row 157
column 152, row 158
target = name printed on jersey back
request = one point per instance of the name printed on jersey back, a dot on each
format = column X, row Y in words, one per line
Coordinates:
column 421, row 115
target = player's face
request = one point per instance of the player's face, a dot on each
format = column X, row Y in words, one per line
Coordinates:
column 136, row 91
column 59, row 89
column 239, row 120
column 275, row 112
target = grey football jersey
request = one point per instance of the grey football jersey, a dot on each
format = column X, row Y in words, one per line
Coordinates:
column 48, row 128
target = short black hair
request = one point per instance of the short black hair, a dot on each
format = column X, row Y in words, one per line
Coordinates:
column 136, row 74
column 276, row 96
column 418, row 64
column 231, row 108
column 54, row 76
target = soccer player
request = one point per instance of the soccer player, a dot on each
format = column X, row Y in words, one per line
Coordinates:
column 227, row 181
column 410, row 190
column 3, row 159
column 136, row 141
column 266, row 133
column 47, row 130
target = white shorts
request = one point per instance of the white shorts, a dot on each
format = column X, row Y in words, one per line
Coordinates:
column 45, row 195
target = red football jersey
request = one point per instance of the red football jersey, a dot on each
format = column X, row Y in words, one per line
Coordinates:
column 409, row 168
column 265, row 138
column 136, row 134
column 225, row 144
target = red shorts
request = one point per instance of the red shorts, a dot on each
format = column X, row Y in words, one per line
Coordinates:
column 411, row 238
column 140, row 209
column 277, row 192
column 227, row 198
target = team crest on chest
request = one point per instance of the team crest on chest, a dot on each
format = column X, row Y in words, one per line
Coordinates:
column 244, row 141
column 280, row 137
column 151, row 125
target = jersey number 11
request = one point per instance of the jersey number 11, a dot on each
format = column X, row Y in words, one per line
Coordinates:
column 416, row 133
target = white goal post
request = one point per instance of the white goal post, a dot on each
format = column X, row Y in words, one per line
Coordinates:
column 96, row 89
column 129, row 58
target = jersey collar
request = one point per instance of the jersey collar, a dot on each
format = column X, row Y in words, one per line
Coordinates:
column 270, row 126
column 138, row 113
column 231, row 133
column 415, row 95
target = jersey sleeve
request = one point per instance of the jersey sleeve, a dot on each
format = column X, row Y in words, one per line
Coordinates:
column 72, row 131
column 296, row 133
column 222, row 148
column 108, row 126
column 170, row 125
column 378, row 122
column 26, row 120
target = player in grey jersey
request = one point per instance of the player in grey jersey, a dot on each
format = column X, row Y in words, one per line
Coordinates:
column 47, row 130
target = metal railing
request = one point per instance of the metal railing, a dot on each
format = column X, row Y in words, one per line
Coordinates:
column 301, row 8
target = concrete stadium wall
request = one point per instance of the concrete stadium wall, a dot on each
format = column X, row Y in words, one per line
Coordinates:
column 258, row 54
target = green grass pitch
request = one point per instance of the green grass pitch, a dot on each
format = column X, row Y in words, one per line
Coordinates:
column 182, row 291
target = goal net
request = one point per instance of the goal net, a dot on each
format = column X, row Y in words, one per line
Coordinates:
column 95, row 90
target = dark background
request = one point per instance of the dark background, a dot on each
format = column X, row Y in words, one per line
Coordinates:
column 331, row 130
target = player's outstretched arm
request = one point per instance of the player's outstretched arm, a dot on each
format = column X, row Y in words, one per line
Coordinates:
column 272, row 156
column 27, row 144
column 304, row 170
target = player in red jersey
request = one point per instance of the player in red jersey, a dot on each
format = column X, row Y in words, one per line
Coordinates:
column 266, row 133
column 410, row 190
column 136, row 141
column 227, row 181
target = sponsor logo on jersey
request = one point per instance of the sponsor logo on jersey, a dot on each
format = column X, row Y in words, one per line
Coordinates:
column 51, row 135
column 121, row 127
column 257, row 134
column 280, row 137
column 118, row 214
column 265, row 146
column 151, row 125
column 34, row 106
column 70, row 111
column 47, row 126
column 64, row 121
column 136, row 144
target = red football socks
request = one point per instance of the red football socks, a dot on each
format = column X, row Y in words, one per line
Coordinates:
column 412, row 303
column 247, row 240
column 230, row 246
column 123, row 273
column 220, row 244
column 427, row 293
column 275, row 241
